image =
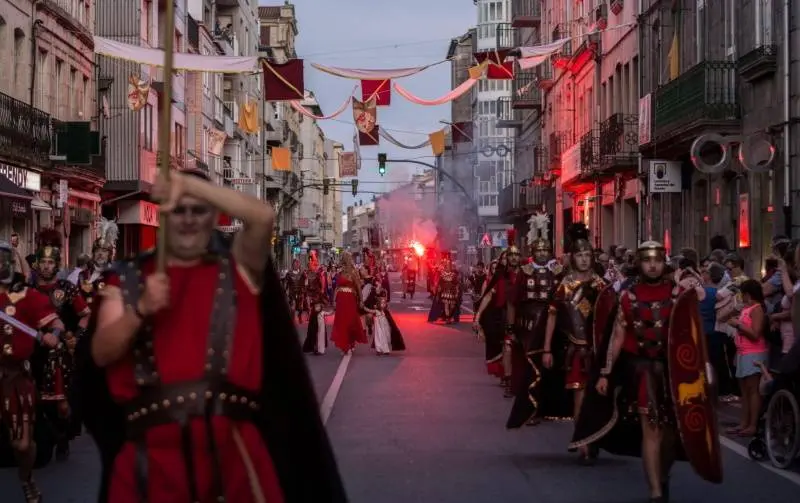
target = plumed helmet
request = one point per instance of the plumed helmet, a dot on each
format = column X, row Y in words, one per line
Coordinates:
column 48, row 245
column 511, row 236
column 107, row 234
column 539, row 233
column 577, row 238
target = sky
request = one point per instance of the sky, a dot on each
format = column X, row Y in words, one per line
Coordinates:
column 381, row 34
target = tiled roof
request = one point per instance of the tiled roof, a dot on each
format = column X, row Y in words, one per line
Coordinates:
column 269, row 12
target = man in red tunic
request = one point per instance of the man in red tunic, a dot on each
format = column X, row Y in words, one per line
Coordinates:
column 642, row 421
column 17, row 389
column 214, row 404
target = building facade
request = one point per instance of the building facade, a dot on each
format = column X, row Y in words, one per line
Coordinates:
column 51, row 158
column 331, row 223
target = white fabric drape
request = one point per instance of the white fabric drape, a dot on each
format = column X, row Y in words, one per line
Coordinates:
column 531, row 57
column 383, row 333
column 182, row 61
column 394, row 141
column 454, row 94
column 371, row 74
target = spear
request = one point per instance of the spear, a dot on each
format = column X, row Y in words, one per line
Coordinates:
column 164, row 127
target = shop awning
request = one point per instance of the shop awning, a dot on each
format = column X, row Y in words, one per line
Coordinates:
column 39, row 205
column 11, row 189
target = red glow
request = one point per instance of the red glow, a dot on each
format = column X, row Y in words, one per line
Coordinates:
column 419, row 249
column 706, row 219
column 770, row 209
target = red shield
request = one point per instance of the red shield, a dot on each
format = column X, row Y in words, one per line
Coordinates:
column 603, row 313
column 691, row 376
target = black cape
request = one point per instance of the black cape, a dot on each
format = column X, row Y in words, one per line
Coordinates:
column 398, row 343
column 290, row 422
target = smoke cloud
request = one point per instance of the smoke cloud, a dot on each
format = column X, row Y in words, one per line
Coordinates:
column 407, row 213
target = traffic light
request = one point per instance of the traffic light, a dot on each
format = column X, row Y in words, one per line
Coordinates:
column 381, row 164
column 354, row 181
column 326, row 186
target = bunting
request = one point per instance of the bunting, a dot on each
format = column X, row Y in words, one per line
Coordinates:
column 347, row 165
column 461, row 132
column 370, row 74
column 138, row 90
column 248, row 117
column 452, row 95
column 283, row 81
column 437, row 142
column 371, row 138
column 394, row 141
column 281, row 159
column 365, row 115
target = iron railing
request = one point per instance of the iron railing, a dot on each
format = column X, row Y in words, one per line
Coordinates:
column 590, row 152
column 505, row 112
column 24, row 130
column 524, row 92
column 526, row 13
column 619, row 137
column 705, row 92
column 505, row 36
column 559, row 142
column 758, row 63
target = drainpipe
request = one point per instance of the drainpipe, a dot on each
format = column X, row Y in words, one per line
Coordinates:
column 787, row 120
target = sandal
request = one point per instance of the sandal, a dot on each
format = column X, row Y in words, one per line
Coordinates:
column 31, row 491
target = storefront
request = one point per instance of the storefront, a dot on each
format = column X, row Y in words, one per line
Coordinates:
column 21, row 209
column 138, row 225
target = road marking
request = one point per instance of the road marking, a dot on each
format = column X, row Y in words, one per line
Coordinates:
column 333, row 391
column 742, row 451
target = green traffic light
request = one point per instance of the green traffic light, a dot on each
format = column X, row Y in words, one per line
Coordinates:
column 382, row 170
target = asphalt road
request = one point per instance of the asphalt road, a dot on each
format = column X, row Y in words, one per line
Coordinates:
column 427, row 426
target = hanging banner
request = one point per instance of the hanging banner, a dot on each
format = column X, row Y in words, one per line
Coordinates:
column 378, row 90
column 371, row 138
column 452, row 95
column 138, row 90
column 347, row 165
column 369, row 74
column 283, row 81
column 365, row 115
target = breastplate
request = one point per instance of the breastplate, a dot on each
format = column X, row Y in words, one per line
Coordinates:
column 539, row 284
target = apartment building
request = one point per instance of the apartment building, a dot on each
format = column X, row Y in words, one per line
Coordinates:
column 720, row 67
column 51, row 162
column 521, row 114
column 133, row 136
column 311, row 154
column 331, row 222
column 459, row 160
column 493, row 146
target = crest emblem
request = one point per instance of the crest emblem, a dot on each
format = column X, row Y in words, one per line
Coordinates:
column 58, row 296
column 8, row 329
column 11, row 310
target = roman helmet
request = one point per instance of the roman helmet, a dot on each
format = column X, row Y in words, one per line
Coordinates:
column 48, row 245
column 577, row 238
column 651, row 249
column 539, row 233
column 107, row 234
column 511, row 237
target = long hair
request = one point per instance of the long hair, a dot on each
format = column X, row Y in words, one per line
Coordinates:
column 349, row 270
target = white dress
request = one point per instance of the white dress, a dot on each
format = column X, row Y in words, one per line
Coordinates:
column 383, row 334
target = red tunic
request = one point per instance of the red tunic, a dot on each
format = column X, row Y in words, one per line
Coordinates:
column 179, row 344
column 347, row 327
column 17, row 389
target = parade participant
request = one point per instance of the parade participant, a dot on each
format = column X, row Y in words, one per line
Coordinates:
column 316, row 335
column 536, row 398
column 569, row 336
column 347, row 327
column 447, row 293
column 477, row 280
column 296, row 289
column 489, row 323
column 410, row 277
column 387, row 334
column 194, row 386
column 630, row 409
column 90, row 280
column 24, row 312
column 53, row 368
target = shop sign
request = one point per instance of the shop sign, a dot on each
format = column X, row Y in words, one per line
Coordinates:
column 148, row 213
column 137, row 213
column 28, row 180
column 664, row 177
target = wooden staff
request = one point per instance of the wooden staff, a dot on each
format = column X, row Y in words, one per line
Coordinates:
column 165, row 127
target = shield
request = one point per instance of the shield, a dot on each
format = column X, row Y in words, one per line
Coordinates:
column 691, row 377
column 604, row 309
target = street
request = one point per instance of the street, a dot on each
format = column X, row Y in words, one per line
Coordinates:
column 427, row 426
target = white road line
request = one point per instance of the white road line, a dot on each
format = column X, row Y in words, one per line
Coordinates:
column 333, row 391
column 742, row 451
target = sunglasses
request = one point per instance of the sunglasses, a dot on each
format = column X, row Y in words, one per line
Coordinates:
column 197, row 210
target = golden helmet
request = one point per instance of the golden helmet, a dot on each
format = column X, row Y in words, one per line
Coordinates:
column 651, row 249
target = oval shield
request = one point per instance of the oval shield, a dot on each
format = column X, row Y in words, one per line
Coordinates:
column 691, row 378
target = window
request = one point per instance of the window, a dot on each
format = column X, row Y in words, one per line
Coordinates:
column 43, row 82
column 700, row 30
column 72, row 94
column 147, row 19
column 57, row 107
column 179, row 141
column 86, row 105
column 764, row 14
column 147, row 127
column 730, row 28
column 19, row 59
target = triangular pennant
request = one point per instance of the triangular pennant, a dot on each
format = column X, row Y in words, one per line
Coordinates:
column 503, row 71
column 494, row 57
column 462, row 132
column 437, row 142
column 378, row 90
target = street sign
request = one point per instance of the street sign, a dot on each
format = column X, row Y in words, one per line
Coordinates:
column 486, row 241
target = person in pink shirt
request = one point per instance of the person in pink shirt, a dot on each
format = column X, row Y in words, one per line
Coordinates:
column 751, row 351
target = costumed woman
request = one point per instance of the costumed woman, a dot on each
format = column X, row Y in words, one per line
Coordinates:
column 628, row 409
column 569, row 333
column 539, row 394
column 348, row 329
column 53, row 368
column 387, row 336
column 193, row 382
column 316, row 334
column 490, row 322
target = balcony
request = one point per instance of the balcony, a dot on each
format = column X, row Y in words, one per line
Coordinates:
column 544, row 76
column 507, row 116
column 524, row 93
column 559, row 142
column 705, row 96
column 274, row 135
column 619, row 142
column 590, row 153
column 505, row 36
column 224, row 39
column 24, row 131
column 519, row 199
column 526, row 13
column 759, row 63
column 561, row 58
